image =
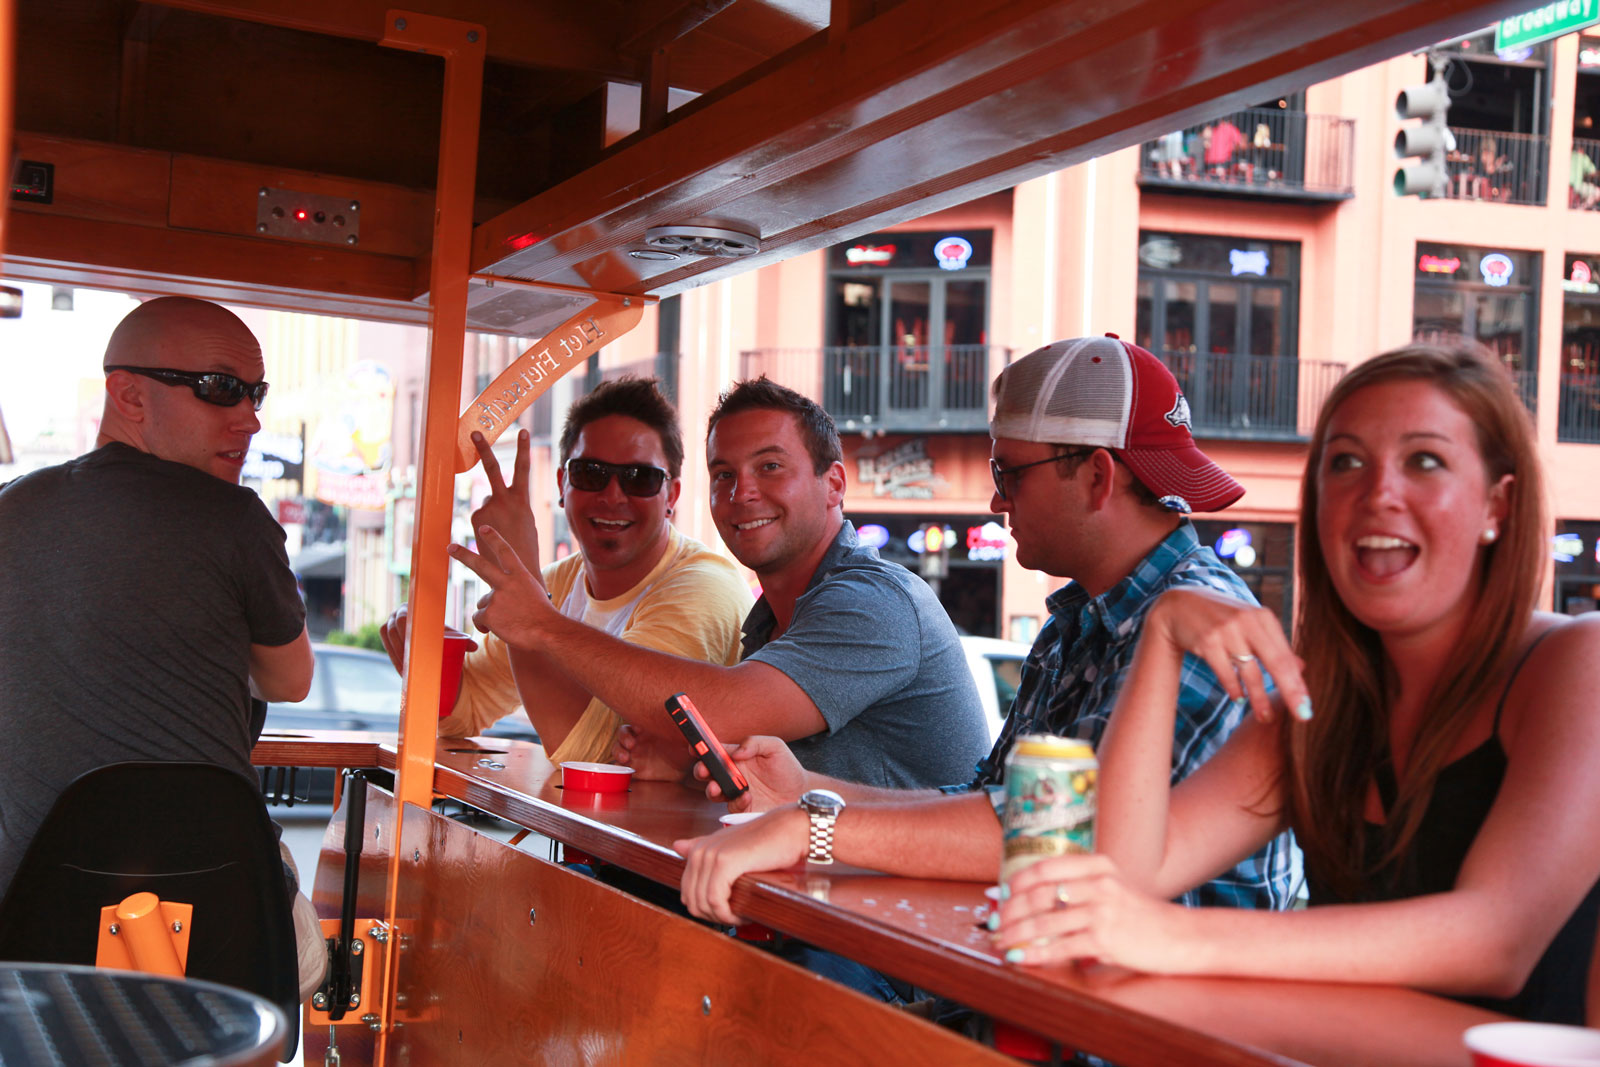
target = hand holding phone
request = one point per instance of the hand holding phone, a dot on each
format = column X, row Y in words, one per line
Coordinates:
column 707, row 749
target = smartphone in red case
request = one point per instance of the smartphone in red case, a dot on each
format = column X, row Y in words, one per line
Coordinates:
column 707, row 748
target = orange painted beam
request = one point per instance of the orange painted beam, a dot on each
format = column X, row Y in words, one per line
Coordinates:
column 8, row 63
column 462, row 46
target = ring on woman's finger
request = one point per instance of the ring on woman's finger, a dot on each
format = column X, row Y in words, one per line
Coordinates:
column 1063, row 899
column 1244, row 657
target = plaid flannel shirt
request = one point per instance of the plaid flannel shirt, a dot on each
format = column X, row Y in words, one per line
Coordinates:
column 1078, row 665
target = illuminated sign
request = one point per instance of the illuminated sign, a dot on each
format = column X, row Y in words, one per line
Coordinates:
column 1544, row 23
column 953, row 253
column 872, row 535
column 1496, row 268
column 1566, row 547
column 869, row 255
column 1439, row 264
column 1242, row 261
column 931, row 539
column 1231, row 541
column 986, row 542
column 1581, row 279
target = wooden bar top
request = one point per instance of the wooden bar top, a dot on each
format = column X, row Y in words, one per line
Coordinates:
column 929, row 933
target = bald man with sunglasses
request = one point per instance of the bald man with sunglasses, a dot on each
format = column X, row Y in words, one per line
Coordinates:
column 148, row 596
column 635, row 577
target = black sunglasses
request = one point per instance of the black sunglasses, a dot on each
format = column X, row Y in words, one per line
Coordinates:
column 999, row 473
column 636, row 479
column 214, row 387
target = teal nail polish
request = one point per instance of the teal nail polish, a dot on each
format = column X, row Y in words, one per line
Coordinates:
column 994, row 920
column 1013, row 955
column 1302, row 710
column 1005, row 892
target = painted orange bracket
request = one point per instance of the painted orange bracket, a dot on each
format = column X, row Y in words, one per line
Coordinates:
column 462, row 46
column 145, row 933
column 537, row 369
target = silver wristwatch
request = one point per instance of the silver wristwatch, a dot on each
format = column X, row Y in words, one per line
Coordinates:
column 822, row 807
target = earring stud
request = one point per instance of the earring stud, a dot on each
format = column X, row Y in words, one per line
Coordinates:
column 1488, row 536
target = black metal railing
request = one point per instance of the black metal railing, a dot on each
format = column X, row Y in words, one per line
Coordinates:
column 1583, row 182
column 894, row 388
column 1506, row 168
column 1578, row 420
column 1257, row 150
column 1259, row 398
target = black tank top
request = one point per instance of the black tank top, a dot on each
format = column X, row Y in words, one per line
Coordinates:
column 1462, row 796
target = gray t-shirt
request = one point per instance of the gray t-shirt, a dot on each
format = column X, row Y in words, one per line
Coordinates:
column 133, row 590
column 874, row 650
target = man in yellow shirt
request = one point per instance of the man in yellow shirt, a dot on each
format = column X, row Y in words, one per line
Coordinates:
column 636, row 577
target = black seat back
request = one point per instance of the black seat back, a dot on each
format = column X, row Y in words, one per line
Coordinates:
column 191, row 833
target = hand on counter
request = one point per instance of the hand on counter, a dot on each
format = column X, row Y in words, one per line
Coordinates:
column 770, row 843
column 1079, row 908
column 775, row 776
column 652, row 758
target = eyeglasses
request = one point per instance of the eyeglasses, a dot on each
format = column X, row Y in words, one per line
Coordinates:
column 999, row 473
column 214, row 387
column 636, row 479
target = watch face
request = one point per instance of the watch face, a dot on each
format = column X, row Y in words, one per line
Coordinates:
column 822, row 801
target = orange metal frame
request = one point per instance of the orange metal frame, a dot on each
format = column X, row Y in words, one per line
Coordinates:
column 461, row 45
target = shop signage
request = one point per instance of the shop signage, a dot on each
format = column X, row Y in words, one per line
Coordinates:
column 275, row 455
column 953, row 253
column 291, row 511
column 871, row 255
column 1581, row 279
column 986, row 542
column 1566, row 547
column 905, row 472
column 1496, row 268
column 1242, row 261
column 1438, row 264
column 1544, row 23
column 873, row 535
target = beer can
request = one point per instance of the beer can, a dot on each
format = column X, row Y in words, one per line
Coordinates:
column 1050, row 801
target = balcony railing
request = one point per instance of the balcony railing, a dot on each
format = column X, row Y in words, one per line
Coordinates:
column 1258, row 398
column 1257, row 151
column 895, row 388
column 1579, row 417
column 1507, row 168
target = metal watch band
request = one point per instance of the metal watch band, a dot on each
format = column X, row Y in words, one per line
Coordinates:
column 821, row 844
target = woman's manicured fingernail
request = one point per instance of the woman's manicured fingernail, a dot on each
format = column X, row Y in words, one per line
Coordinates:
column 1005, row 892
column 1013, row 955
column 1302, row 710
column 994, row 920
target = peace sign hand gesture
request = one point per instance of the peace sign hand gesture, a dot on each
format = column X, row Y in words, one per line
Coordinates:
column 516, row 605
column 508, row 508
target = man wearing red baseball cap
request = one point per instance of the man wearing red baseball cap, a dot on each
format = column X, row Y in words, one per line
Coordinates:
column 1096, row 471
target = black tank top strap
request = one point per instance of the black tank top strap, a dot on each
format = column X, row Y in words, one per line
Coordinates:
column 1516, row 670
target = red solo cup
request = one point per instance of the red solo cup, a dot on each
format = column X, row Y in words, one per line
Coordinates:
column 456, row 647
column 595, row 777
column 1532, row 1045
column 1023, row 1044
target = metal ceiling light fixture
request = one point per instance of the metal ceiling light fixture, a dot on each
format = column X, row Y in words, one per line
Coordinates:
column 654, row 254
column 703, row 241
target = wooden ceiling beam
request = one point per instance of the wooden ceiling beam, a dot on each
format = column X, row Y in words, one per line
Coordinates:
column 930, row 103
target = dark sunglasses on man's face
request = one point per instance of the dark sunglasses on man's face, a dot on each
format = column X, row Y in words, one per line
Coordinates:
column 214, row 387
column 636, row 479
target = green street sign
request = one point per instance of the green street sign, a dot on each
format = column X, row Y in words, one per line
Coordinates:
column 1545, row 23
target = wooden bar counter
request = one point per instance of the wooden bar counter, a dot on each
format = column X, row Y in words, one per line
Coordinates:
column 925, row 932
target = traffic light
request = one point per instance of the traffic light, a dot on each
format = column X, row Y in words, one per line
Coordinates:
column 1431, row 140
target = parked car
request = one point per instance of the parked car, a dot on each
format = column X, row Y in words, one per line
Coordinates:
column 351, row 689
column 996, row 666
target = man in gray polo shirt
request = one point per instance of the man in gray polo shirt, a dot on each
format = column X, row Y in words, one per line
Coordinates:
column 848, row 657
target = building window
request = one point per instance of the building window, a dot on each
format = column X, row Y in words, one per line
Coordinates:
column 907, row 330
column 1500, row 116
column 1222, row 313
column 1488, row 294
column 1579, row 418
column 1262, row 553
column 1576, row 547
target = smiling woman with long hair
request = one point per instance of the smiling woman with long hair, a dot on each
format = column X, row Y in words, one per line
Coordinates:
column 1433, row 741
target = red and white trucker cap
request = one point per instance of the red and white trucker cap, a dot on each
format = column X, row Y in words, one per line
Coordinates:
column 1106, row 392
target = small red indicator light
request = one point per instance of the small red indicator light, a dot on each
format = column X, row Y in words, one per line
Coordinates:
column 300, row 216
column 524, row 240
